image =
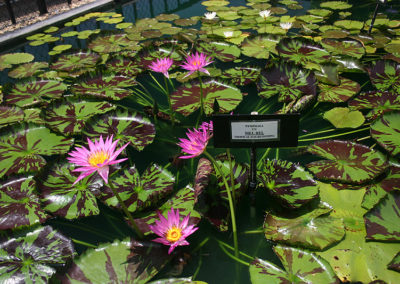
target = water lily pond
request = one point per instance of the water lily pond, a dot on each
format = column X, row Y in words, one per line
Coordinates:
column 108, row 170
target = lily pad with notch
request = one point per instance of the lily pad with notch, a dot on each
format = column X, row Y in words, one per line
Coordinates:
column 260, row 46
column 221, row 50
column 28, row 70
column 241, row 76
column 385, row 75
column 76, row 61
column 386, row 131
column 340, row 93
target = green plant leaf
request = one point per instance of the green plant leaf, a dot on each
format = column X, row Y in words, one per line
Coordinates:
column 28, row 70
column 386, row 132
column 385, row 75
column 337, row 94
column 221, row 50
column 124, row 66
column 348, row 47
column 260, row 46
column 343, row 117
column 10, row 115
column 76, row 61
column 112, row 43
column 9, row 59
column 395, row 263
column 241, row 75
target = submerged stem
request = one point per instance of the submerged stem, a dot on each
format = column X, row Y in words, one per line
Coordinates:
column 83, row 243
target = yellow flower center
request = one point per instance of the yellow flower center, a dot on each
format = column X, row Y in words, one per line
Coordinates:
column 196, row 63
column 173, row 234
column 98, row 158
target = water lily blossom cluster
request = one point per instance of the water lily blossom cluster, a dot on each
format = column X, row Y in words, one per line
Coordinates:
column 210, row 15
column 171, row 230
column 198, row 140
column 162, row 65
column 100, row 155
column 286, row 26
column 196, row 62
column 265, row 14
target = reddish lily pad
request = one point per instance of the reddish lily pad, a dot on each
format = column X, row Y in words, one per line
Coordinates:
column 259, row 47
column 287, row 81
column 187, row 98
column 28, row 70
column 385, row 75
column 69, row 117
column 289, row 182
column 395, row 263
column 348, row 47
column 124, row 125
column 10, row 115
column 76, row 61
column 21, row 148
column 35, row 92
column 340, row 93
column 380, row 102
column 19, row 204
column 31, row 258
column 241, row 76
column 221, row 50
column 313, row 230
column 386, row 131
column 124, row 66
column 112, row 43
column 347, row 162
column 110, row 87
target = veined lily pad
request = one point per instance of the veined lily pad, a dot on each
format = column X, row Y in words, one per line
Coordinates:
column 10, row 59
column 343, row 117
column 289, row 182
column 259, row 47
column 302, row 51
column 75, row 61
column 69, row 117
column 63, row 199
column 220, row 50
column 176, row 281
column 385, row 75
column 32, row 115
column 348, row 47
column 124, row 125
column 34, row 92
column 320, row 12
column 28, row 70
column 10, row 115
column 19, row 204
column 300, row 266
column 313, row 230
column 124, row 66
column 241, row 75
column 347, row 161
column 126, row 261
column 340, row 93
column 29, row 259
column 379, row 102
column 287, row 81
column 183, row 200
column 139, row 192
column 395, row 263
column 186, row 98
column 112, row 43
column 111, row 87
column 386, row 131
column 381, row 222
column 20, row 149
column 335, row 5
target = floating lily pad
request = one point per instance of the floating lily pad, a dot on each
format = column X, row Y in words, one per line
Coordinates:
column 347, row 47
column 335, row 5
column 343, row 117
column 241, row 75
column 320, row 12
column 76, row 61
column 313, row 230
column 167, row 17
column 186, row 98
column 127, row 261
column 60, row 48
column 32, row 115
column 349, row 24
column 19, row 204
column 63, row 199
column 28, row 70
column 22, row 147
column 213, row 3
column 385, row 75
column 112, row 43
column 124, row 125
column 259, row 47
column 340, row 93
column 386, row 131
column 30, row 258
column 10, row 59
column 35, row 92
column 287, row 81
column 10, row 115
column 395, row 263
column 69, row 117
column 299, row 266
column 110, row 87
column 347, row 162
column 289, row 182
column 220, row 50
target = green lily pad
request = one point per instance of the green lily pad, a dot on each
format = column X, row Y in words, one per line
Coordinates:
column 220, row 50
column 335, row 5
column 19, row 204
column 320, row 12
column 10, row 115
column 349, row 24
column 28, row 70
column 337, row 94
column 112, row 43
column 241, row 75
column 395, row 263
column 10, row 59
column 76, row 61
column 347, row 162
column 343, row 117
column 346, row 47
column 259, row 47
column 385, row 75
column 386, row 132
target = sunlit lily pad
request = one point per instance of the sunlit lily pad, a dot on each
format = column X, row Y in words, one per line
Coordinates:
column 289, row 182
column 35, row 92
column 241, row 75
column 110, row 87
column 386, row 131
column 299, row 266
column 220, row 50
column 379, row 102
column 10, row 115
column 395, row 263
column 28, row 70
column 186, row 98
column 335, row 5
column 259, row 47
column 347, row 47
column 124, row 125
column 126, row 261
column 124, row 66
column 31, row 258
column 347, row 161
column 385, row 75
column 139, row 191
column 313, row 230
column 32, row 115
column 349, row 24
column 21, row 148
column 320, row 12
column 340, row 93
column 19, row 204
column 287, row 81
column 112, row 43
column 63, row 199
column 9, row 59
column 343, row 117
column 76, row 61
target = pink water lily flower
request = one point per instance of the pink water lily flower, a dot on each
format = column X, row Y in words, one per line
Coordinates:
column 198, row 140
column 162, row 65
column 171, row 230
column 98, row 157
column 196, row 62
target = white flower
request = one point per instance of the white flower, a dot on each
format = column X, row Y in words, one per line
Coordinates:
column 265, row 13
column 228, row 34
column 210, row 15
column 286, row 26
